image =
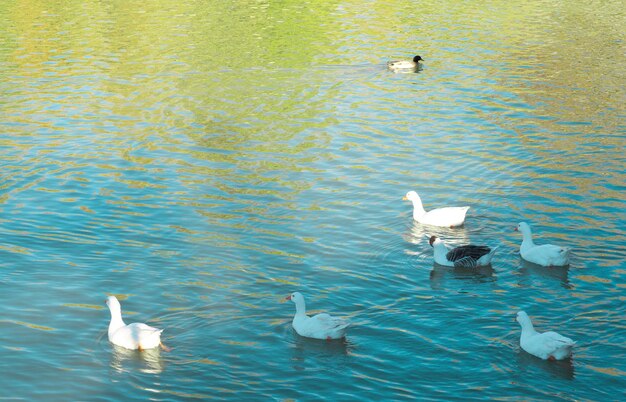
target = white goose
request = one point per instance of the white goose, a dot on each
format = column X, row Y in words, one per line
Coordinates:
column 546, row 346
column 447, row 216
column 469, row 256
column 545, row 254
column 132, row 336
column 320, row 326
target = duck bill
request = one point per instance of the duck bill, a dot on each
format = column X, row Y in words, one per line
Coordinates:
column 288, row 297
column 404, row 198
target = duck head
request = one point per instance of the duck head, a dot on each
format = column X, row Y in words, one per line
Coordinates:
column 298, row 300
column 295, row 297
column 523, row 318
column 411, row 196
column 433, row 241
column 417, row 58
column 523, row 228
column 114, row 304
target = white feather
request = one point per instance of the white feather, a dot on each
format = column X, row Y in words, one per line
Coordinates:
column 132, row 336
column 320, row 326
column 545, row 254
column 446, row 216
column 547, row 345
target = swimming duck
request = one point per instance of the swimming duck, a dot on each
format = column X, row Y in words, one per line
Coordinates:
column 404, row 64
column 469, row 256
column 132, row 336
column 448, row 216
column 546, row 254
column 320, row 326
column 546, row 346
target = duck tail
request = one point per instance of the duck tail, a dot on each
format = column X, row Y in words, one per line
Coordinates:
column 156, row 333
column 343, row 325
column 492, row 252
column 486, row 259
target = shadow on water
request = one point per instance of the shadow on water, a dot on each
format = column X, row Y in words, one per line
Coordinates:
column 560, row 369
column 560, row 274
column 415, row 70
column 318, row 349
column 419, row 234
column 147, row 361
column 441, row 274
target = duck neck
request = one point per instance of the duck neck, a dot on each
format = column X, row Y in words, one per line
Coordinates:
column 527, row 329
column 116, row 321
column 300, row 308
column 527, row 239
column 440, row 251
column 418, row 208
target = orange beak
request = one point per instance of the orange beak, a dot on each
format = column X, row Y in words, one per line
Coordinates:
column 288, row 297
column 404, row 198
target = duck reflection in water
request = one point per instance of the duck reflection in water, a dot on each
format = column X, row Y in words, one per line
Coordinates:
column 334, row 351
column 559, row 368
column 417, row 233
column 440, row 275
column 529, row 269
column 126, row 360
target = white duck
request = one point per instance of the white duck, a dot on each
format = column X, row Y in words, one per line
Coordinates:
column 545, row 254
column 447, row 216
column 132, row 336
column 546, row 346
column 320, row 326
column 469, row 256
column 395, row 65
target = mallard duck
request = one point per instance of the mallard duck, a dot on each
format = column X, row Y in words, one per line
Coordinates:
column 545, row 254
column 132, row 336
column 546, row 346
column 320, row 326
column 469, row 256
column 447, row 216
column 404, row 64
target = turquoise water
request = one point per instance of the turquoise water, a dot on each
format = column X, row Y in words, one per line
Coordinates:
column 203, row 161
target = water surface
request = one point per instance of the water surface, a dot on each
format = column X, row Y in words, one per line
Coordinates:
column 203, row 160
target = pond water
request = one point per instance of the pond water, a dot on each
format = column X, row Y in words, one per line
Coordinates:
column 203, row 160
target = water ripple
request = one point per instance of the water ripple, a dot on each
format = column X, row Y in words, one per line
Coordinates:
column 204, row 164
